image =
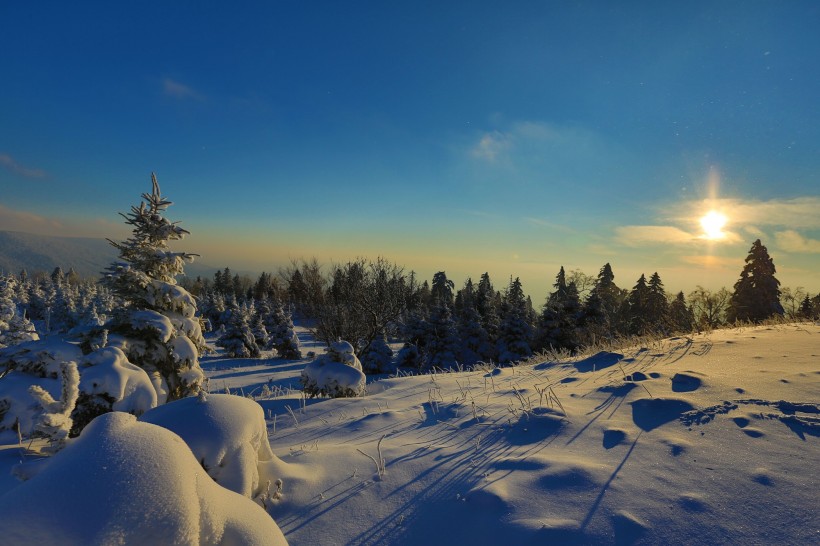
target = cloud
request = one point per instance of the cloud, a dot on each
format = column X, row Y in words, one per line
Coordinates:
column 639, row 235
column 538, row 222
column 491, row 146
column 29, row 222
column 180, row 91
column 791, row 241
column 797, row 213
column 712, row 261
column 9, row 163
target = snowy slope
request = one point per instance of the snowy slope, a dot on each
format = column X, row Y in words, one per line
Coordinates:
column 709, row 439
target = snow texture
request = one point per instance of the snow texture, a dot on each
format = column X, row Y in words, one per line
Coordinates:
column 337, row 373
column 227, row 435
column 126, row 482
column 108, row 371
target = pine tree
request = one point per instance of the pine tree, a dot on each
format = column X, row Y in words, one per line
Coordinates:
column 636, row 308
column 600, row 317
column 441, row 343
column 757, row 293
column 14, row 326
column 379, row 356
column 559, row 318
column 283, row 337
column 239, row 340
column 515, row 332
column 681, row 316
column 657, row 306
column 156, row 327
column 475, row 342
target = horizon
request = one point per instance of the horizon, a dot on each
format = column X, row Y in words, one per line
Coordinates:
column 513, row 141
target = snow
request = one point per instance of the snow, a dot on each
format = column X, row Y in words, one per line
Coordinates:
column 226, row 433
column 337, row 373
column 146, row 319
column 707, row 439
column 126, row 482
column 107, row 370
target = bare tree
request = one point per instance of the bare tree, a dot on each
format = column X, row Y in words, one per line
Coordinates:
column 709, row 307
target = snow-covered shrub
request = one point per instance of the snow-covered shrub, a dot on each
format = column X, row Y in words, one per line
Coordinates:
column 379, row 357
column 127, row 482
column 337, row 373
column 14, row 327
column 409, row 356
column 157, row 327
column 55, row 420
column 111, row 383
column 228, row 436
column 25, row 365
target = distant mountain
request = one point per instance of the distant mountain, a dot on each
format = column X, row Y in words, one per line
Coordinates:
column 87, row 255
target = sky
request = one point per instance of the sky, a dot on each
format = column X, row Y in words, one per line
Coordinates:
column 508, row 137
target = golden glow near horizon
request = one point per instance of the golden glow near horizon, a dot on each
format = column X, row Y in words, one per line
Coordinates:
column 713, row 224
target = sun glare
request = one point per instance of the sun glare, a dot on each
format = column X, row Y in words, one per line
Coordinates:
column 713, row 224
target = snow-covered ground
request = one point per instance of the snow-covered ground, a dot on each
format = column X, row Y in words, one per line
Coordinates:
column 706, row 439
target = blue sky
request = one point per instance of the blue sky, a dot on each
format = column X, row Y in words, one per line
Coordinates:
column 506, row 137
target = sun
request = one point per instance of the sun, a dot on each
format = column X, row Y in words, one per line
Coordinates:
column 713, row 224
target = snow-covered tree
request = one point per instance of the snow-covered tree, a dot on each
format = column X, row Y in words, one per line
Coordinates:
column 515, row 332
column 379, row 356
column 337, row 373
column 283, row 338
column 14, row 327
column 441, row 344
column 238, row 340
column 156, row 327
column 757, row 292
column 559, row 319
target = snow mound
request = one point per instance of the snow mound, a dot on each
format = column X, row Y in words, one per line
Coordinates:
column 126, row 482
column 108, row 371
column 226, row 433
column 337, row 373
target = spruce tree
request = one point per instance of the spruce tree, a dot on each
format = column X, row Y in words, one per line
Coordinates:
column 681, row 317
column 239, row 340
column 156, row 325
column 636, row 308
column 515, row 333
column 657, row 306
column 558, row 324
column 757, row 293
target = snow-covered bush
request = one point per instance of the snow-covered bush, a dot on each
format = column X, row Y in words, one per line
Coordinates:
column 127, row 482
column 228, row 436
column 14, row 327
column 379, row 357
column 55, row 420
column 337, row 373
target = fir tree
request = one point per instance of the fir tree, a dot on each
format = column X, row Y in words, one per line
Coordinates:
column 559, row 318
column 601, row 310
column 239, row 340
column 757, row 293
column 657, row 306
column 379, row 356
column 156, row 326
column 515, row 332
column 637, row 308
column 441, row 342
column 681, row 316
column 283, row 338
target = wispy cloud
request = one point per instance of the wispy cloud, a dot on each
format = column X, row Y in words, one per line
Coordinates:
column 641, row 235
column 491, row 146
column 712, row 261
column 180, row 91
column 791, row 241
column 12, row 165
column 797, row 213
column 538, row 222
column 29, row 222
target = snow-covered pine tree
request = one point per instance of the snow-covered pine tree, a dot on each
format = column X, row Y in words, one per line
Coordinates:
column 156, row 327
column 441, row 344
column 559, row 319
column 681, row 316
column 379, row 356
column 238, row 340
column 757, row 292
column 283, row 337
column 515, row 333
column 14, row 327
column 475, row 342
